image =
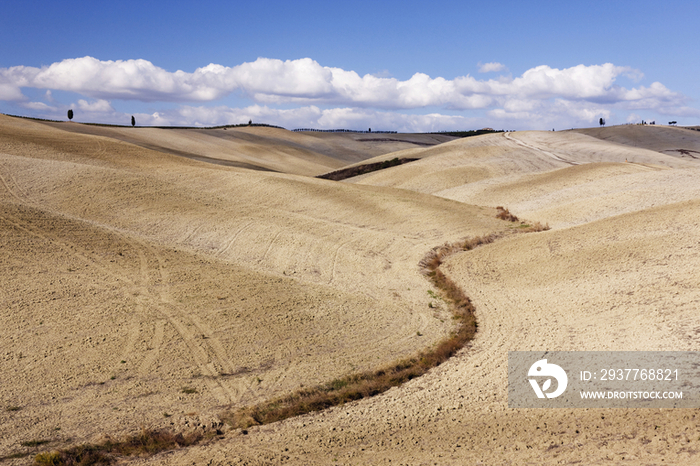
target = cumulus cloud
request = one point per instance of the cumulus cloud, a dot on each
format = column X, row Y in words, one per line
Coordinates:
column 583, row 90
column 41, row 106
column 9, row 90
column 96, row 106
column 305, row 81
column 491, row 67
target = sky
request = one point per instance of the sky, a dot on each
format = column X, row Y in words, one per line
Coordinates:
column 397, row 66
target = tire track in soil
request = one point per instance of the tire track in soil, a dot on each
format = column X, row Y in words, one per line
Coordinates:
column 205, row 355
column 156, row 344
column 538, row 149
column 192, row 233
column 335, row 261
column 162, row 303
column 233, row 239
column 269, row 246
column 84, row 257
column 206, row 351
column 9, row 190
column 72, row 250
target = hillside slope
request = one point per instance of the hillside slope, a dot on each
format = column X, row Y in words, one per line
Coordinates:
column 260, row 147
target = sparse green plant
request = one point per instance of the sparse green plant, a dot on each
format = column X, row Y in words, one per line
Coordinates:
column 13, row 408
column 189, row 390
column 49, row 459
column 535, row 227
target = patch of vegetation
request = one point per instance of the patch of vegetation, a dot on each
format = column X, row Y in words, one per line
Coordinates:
column 147, row 442
column 504, row 214
column 189, row 390
column 346, row 173
column 438, row 254
column 530, row 228
column 13, row 408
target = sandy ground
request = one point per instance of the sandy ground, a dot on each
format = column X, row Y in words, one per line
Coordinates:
column 244, row 284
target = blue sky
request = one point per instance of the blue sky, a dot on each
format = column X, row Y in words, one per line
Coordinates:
column 407, row 66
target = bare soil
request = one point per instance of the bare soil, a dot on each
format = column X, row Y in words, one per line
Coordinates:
column 142, row 288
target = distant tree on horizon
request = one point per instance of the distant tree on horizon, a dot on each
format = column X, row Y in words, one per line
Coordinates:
column 133, row 120
column 70, row 113
column 602, row 121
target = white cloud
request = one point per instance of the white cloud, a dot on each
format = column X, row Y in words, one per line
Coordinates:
column 304, row 81
column 9, row 90
column 575, row 94
column 96, row 106
column 41, row 106
column 491, row 67
column 633, row 118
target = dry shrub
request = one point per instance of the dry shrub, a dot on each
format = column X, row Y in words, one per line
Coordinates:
column 436, row 256
column 147, row 442
column 504, row 214
column 471, row 243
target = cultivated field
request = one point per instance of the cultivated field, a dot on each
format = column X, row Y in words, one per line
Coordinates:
column 153, row 278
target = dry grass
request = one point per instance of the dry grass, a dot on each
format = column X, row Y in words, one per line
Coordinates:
column 504, row 214
column 147, row 442
column 438, row 254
